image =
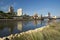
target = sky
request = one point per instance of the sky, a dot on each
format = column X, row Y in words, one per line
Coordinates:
column 31, row 7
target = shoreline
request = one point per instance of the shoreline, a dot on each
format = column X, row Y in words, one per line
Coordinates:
column 18, row 20
column 48, row 32
column 18, row 34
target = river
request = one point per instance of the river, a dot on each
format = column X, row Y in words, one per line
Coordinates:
column 13, row 27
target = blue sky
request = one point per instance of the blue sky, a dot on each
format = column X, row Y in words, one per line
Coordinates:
column 33, row 6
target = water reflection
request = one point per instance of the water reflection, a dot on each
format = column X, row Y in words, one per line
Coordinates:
column 19, row 25
column 35, row 22
column 52, row 21
column 6, row 28
column 41, row 22
column 12, row 27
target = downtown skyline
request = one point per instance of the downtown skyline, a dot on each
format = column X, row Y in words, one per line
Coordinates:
column 33, row 6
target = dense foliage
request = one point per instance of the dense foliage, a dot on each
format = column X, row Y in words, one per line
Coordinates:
column 4, row 15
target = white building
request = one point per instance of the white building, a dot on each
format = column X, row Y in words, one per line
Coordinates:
column 54, row 17
column 19, row 12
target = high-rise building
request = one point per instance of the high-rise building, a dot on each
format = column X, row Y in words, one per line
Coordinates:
column 11, row 9
column 49, row 15
column 19, row 12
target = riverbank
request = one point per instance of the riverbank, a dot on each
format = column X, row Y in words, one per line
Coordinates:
column 49, row 32
column 15, row 20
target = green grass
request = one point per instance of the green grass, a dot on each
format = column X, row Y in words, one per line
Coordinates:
column 48, row 33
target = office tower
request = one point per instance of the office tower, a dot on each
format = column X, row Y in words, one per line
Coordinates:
column 19, row 12
column 11, row 9
column 49, row 15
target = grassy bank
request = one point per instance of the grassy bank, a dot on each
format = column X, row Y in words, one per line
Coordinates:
column 50, row 32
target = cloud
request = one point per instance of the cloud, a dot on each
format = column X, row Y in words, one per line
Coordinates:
column 13, row 4
column 43, row 9
column 5, row 8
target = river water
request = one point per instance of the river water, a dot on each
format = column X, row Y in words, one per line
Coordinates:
column 13, row 27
